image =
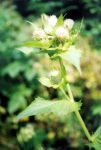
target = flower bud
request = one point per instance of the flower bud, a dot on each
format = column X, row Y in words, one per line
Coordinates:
column 52, row 20
column 62, row 33
column 39, row 34
column 55, row 77
column 69, row 23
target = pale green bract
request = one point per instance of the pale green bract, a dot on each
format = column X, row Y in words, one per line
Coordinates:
column 48, row 82
column 72, row 55
column 45, row 81
column 57, row 107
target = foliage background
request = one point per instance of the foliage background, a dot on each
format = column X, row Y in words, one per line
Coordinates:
column 19, row 74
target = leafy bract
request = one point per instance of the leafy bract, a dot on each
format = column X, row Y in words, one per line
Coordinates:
column 51, row 82
column 45, row 81
column 37, row 44
column 41, row 106
column 72, row 56
column 97, row 139
column 60, row 20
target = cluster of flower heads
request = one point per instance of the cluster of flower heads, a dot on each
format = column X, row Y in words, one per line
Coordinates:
column 53, row 27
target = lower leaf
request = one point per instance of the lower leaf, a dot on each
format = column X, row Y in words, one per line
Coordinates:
column 41, row 106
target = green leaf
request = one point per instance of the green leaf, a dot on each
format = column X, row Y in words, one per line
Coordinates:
column 97, row 139
column 16, row 103
column 41, row 106
column 96, row 109
column 13, row 69
column 18, row 98
column 72, row 56
column 38, row 44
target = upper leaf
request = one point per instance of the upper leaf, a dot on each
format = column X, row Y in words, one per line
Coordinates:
column 58, row 107
column 38, row 44
column 60, row 20
column 72, row 56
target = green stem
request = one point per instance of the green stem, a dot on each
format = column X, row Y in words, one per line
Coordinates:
column 63, row 70
column 71, row 98
column 63, row 91
column 83, row 125
column 79, row 116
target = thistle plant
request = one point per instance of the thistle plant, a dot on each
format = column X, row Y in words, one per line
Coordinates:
column 56, row 37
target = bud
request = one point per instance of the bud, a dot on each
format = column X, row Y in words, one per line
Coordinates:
column 39, row 34
column 52, row 20
column 48, row 29
column 62, row 33
column 69, row 23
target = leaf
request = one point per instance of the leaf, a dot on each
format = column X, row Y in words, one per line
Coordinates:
column 41, row 106
column 97, row 139
column 16, row 103
column 13, row 69
column 45, row 81
column 60, row 20
column 37, row 44
column 96, row 109
column 72, row 56
column 53, row 81
column 18, row 98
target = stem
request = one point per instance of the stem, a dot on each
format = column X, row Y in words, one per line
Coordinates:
column 63, row 70
column 83, row 125
column 62, row 90
column 79, row 116
column 71, row 98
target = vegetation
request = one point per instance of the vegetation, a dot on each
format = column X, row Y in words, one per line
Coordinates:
column 22, row 70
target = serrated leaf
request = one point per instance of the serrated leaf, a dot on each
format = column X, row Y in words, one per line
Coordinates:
column 72, row 56
column 41, row 106
column 97, row 139
column 37, row 44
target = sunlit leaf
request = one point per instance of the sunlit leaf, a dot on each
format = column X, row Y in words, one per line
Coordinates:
column 41, row 106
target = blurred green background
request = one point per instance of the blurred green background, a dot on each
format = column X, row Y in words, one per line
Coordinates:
column 19, row 74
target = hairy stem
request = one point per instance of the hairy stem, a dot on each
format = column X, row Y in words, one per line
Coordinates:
column 71, row 98
column 79, row 116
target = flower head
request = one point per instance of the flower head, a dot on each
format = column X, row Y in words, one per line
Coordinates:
column 52, row 20
column 53, row 33
column 39, row 34
column 62, row 33
column 69, row 23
